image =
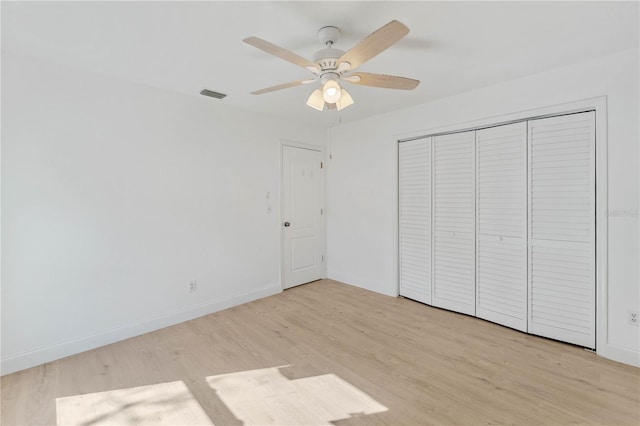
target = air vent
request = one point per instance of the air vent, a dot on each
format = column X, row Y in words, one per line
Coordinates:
column 211, row 93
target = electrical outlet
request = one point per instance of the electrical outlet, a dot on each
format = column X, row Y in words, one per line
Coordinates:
column 634, row 318
column 193, row 286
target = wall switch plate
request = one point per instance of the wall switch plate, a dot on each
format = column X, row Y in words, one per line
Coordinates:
column 634, row 318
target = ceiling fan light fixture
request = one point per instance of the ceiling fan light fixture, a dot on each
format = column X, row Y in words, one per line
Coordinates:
column 344, row 101
column 330, row 64
column 316, row 100
column 331, row 92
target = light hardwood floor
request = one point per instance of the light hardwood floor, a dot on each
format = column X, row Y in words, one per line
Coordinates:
column 415, row 364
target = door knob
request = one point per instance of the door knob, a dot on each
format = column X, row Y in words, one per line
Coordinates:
column 286, row 224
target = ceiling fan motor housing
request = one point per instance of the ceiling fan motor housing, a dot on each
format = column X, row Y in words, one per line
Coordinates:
column 328, row 75
column 327, row 59
column 328, row 35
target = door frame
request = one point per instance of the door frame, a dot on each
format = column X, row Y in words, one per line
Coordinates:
column 323, row 234
column 599, row 105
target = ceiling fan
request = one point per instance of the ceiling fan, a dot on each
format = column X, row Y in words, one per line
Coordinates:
column 330, row 65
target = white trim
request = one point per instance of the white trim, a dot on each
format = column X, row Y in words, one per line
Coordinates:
column 432, row 204
column 21, row 361
column 284, row 142
column 603, row 347
column 621, row 354
column 396, row 213
column 369, row 284
column 323, row 233
column 599, row 104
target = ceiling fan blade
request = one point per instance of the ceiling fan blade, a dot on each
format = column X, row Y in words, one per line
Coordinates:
column 283, row 86
column 375, row 43
column 382, row 80
column 282, row 53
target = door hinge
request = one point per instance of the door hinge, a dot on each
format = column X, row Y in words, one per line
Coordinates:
column 321, row 212
column 322, row 257
column 321, row 165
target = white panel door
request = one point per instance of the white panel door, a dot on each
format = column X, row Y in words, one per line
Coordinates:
column 414, row 204
column 562, row 228
column 301, row 192
column 454, row 222
column 501, row 225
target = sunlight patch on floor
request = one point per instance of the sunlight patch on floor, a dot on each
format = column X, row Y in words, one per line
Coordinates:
column 168, row 403
column 266, row 397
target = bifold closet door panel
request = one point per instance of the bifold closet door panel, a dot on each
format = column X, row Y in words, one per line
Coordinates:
column 562, row 304
column 562, row 228
column 414, row 189
column 502, row 280
column 454, row 222
column 501, row 225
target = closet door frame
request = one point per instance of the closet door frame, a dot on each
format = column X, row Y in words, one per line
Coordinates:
column 599, row 105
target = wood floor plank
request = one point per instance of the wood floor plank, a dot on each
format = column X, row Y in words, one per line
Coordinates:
column 425, row 365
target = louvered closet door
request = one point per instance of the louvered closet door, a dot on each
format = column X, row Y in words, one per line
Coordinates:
column 454, row 222
column 501, row 225
column 562, row 228
column 415, row 219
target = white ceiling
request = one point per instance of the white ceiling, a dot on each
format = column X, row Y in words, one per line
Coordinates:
column 187, row 46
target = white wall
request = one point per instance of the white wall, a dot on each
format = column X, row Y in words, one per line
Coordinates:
column 362, row 178
column 115, row 196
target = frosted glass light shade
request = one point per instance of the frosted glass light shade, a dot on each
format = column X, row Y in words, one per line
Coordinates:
column 316, row 101
column 345, row 100
column 331, row 92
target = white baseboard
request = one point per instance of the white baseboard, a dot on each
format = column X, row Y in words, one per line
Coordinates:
column 620, row 354
column 366, row 284
column 609, row 351
column 21, row 361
